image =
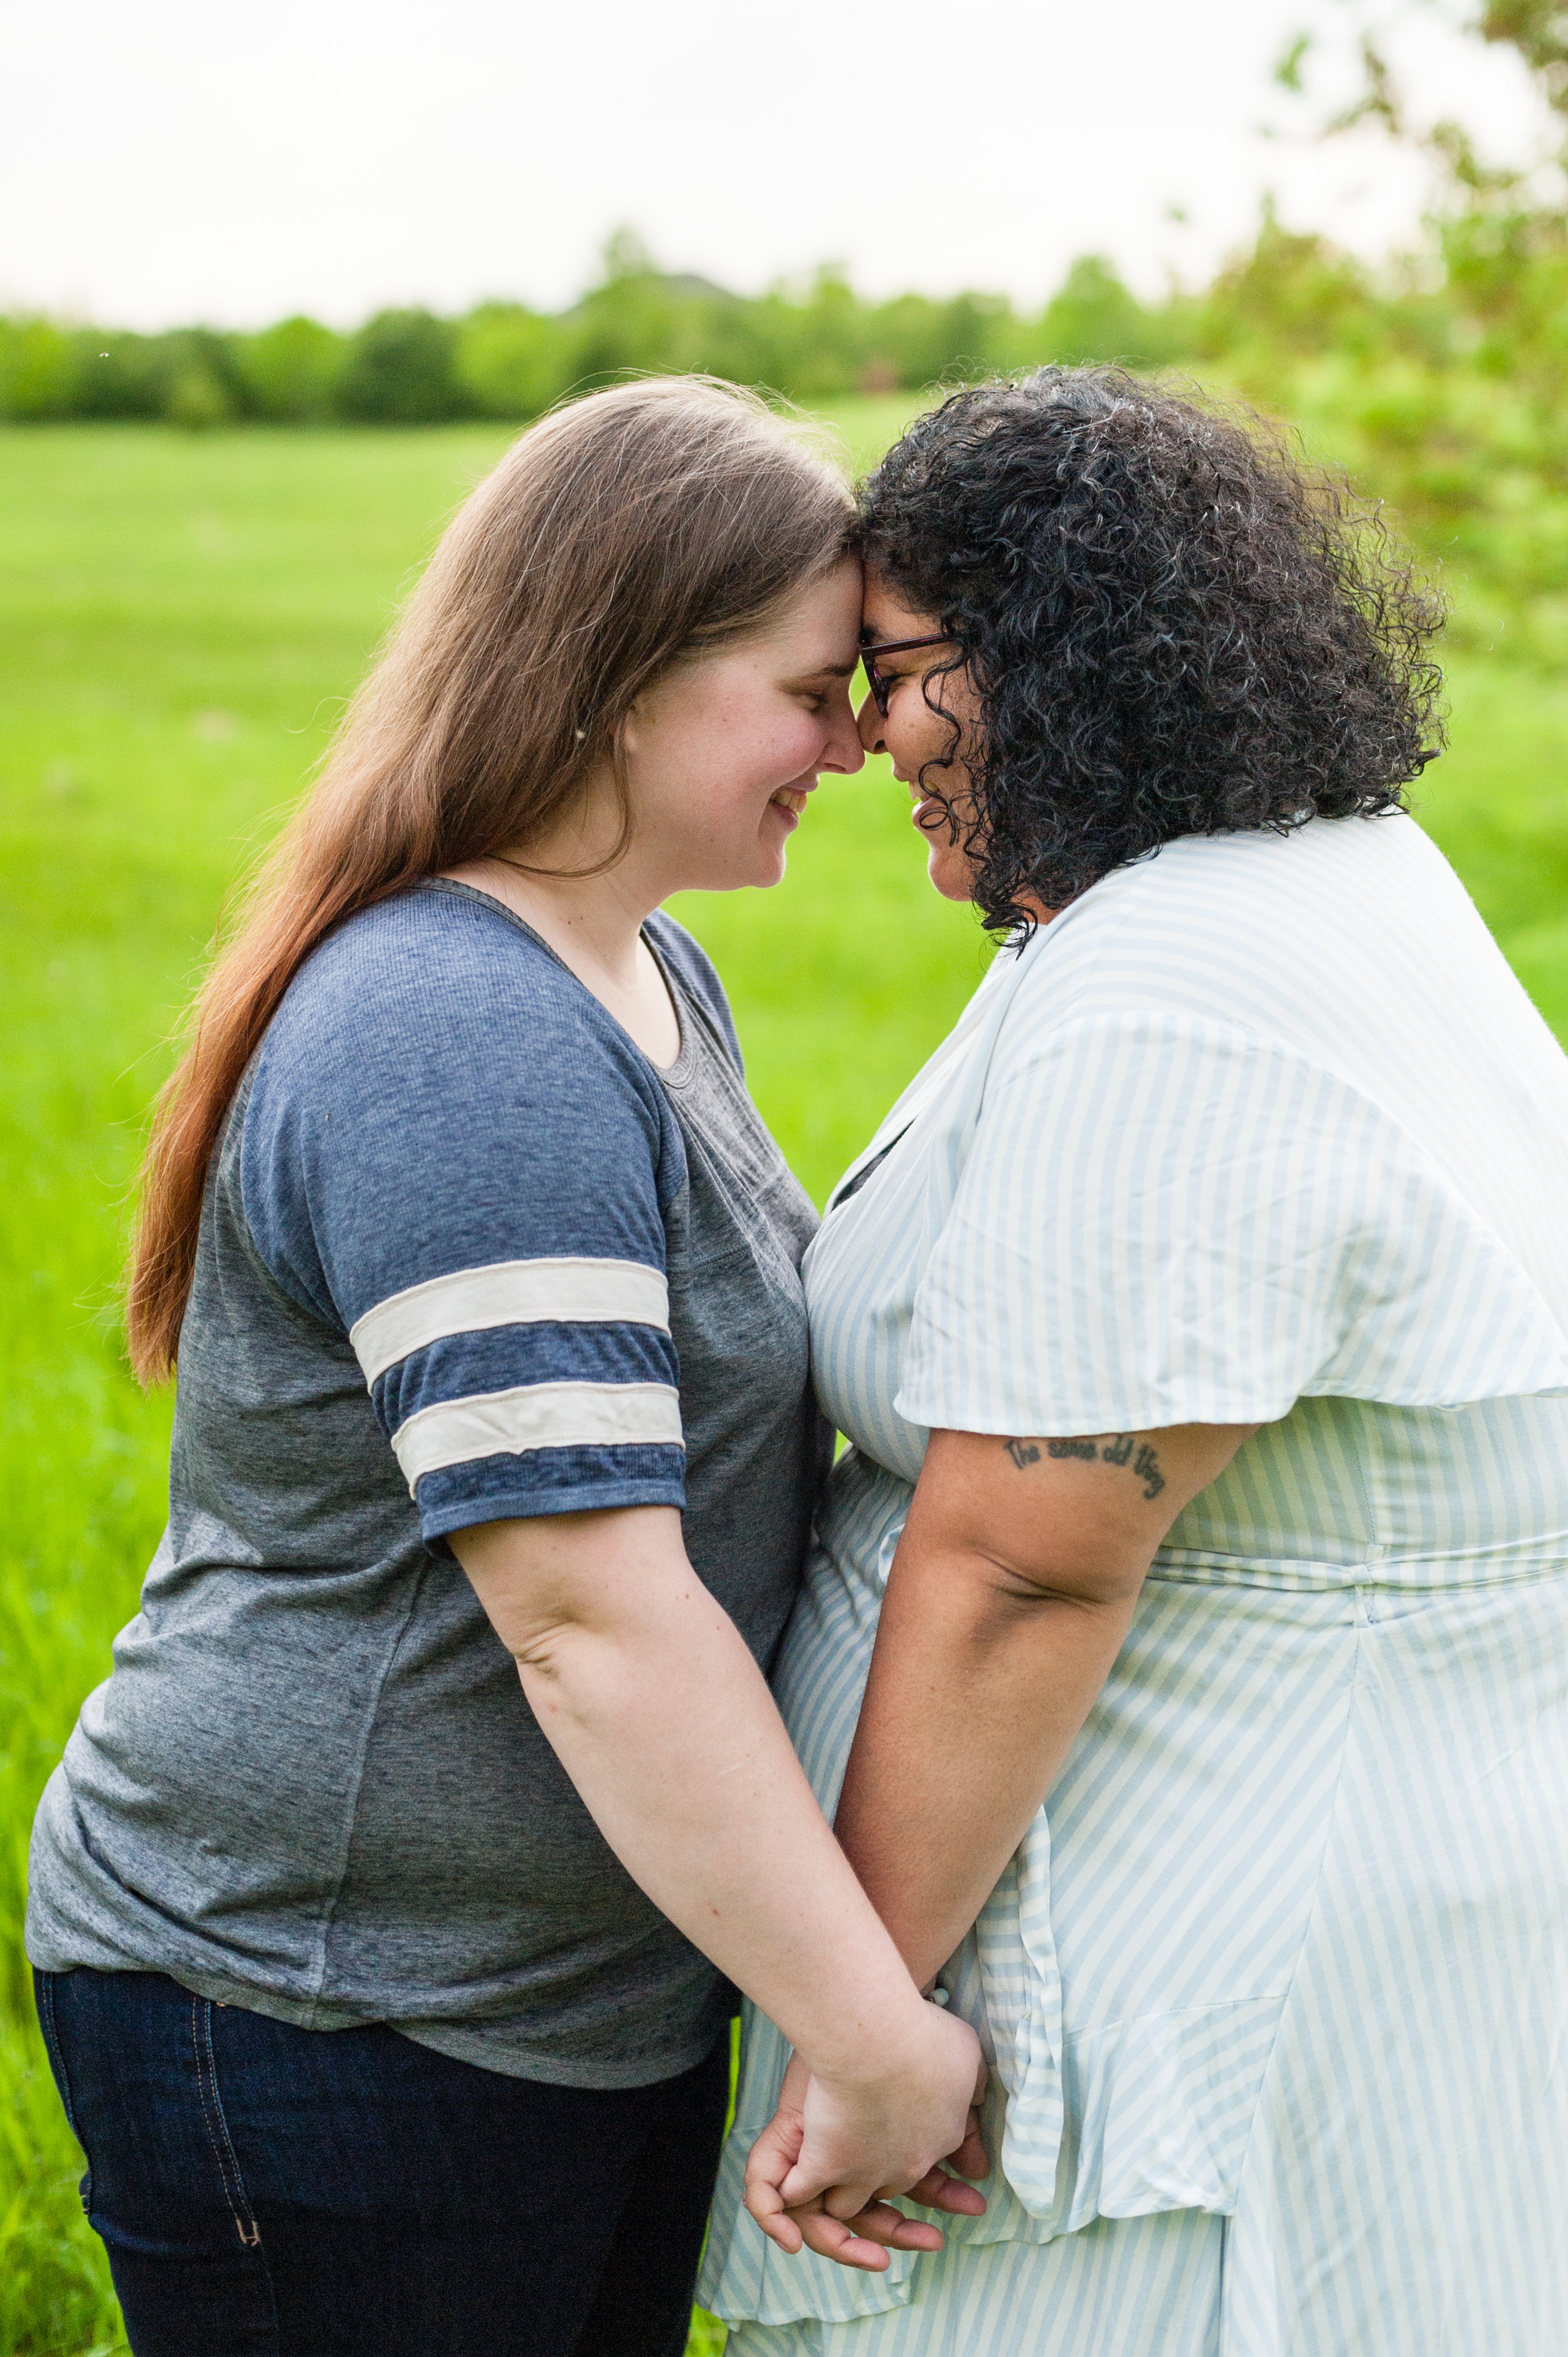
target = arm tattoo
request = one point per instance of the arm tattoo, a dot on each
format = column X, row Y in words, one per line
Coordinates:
column 1146, row 1467
column 1121, row 1448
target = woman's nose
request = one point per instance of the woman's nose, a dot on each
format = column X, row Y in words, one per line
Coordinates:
column 869, row 722
column 844, row 751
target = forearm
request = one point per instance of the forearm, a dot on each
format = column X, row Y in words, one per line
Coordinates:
column 976, row 1694
column 665, row 1726
column 1013, row 1587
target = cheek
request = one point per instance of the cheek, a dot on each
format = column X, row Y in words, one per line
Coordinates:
column 914, row 734
column 752, row 764
column 721, row 753
column 721, row 792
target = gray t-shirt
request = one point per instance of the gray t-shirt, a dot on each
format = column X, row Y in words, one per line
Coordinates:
column 465, row 1254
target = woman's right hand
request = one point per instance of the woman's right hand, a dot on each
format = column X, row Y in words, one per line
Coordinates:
column 838, row 2146
column 663, row 1721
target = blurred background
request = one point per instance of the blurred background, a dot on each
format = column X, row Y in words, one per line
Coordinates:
column 274, row 292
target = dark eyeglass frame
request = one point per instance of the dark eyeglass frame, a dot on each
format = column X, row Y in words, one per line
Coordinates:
column 882, row 689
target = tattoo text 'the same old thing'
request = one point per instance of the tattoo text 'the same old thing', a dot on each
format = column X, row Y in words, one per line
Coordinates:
column 1125, row 1449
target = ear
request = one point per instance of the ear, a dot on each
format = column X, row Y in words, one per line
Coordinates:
column 638, row 723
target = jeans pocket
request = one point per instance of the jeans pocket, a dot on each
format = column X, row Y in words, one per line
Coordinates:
column 217, row 2126
column 44, row 1997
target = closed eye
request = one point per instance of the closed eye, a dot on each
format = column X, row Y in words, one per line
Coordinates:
column 818, row 692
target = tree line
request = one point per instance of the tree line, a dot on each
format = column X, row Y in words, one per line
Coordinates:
column 1290, row 297
column 505, row 361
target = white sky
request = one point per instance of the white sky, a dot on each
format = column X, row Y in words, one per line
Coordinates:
column 165, row 160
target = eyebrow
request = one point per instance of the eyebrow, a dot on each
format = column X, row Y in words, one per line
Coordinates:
column 830, row 671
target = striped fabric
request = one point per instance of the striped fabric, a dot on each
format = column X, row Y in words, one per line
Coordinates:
column 591, row 1390
column 536, row 1415
column 1276, row 1986
column 509, row 1293
column 1008, row 2308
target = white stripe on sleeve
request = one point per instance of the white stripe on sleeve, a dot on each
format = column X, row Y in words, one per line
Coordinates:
column 538, row 1415
column 509, row 1293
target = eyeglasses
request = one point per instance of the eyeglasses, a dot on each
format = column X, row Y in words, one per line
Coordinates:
column 881, row 689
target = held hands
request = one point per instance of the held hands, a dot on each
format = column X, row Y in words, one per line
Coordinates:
column 820, row 2172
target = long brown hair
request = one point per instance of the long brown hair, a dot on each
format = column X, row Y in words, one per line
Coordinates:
column 621, row 532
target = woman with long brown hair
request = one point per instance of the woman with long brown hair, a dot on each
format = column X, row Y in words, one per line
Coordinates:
column 386, row 1993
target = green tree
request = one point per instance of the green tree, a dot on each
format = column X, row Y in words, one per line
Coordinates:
column 196, row 400
column 1294, row 293
column 202, row 385
column 292, row 371
column 400, row 370
column 514, row 362
column 827, row 343
column 629, row 321
column 1094, row 316
column 40, row 367
column 190, row 376
column 120, row 374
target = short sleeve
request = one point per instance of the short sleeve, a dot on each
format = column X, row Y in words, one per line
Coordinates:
column 451, row 1155
column 1164, row 1220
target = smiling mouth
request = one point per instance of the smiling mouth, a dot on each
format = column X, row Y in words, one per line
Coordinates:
column 791, row 799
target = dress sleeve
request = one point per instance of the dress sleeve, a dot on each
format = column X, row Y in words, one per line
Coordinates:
column 470, row 1184
column 1164, row 1220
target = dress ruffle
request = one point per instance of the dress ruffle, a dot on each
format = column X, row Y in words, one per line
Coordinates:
column 1154, row 2114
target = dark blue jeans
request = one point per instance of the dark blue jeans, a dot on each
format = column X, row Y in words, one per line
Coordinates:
column 269, row 2191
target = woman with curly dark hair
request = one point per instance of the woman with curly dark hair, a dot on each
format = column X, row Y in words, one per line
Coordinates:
column 1199, row 1319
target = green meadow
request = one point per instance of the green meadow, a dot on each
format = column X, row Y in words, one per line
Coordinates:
column 183, row 617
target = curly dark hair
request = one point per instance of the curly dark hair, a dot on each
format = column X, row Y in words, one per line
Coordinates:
column 1172, row 627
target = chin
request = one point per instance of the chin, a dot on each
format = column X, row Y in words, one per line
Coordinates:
column 949, row 872
column 770, row 866
column 749, row 867
column 751, row 875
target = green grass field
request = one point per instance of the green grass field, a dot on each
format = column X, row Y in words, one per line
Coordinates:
column 181, row 621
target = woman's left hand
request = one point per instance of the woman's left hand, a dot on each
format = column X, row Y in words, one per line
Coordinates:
column 865, row 2239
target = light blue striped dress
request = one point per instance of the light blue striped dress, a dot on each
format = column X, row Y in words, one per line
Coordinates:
column 1276, row 1986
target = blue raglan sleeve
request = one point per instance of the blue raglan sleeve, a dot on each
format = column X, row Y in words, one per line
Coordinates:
column 453, row 1156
